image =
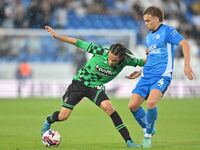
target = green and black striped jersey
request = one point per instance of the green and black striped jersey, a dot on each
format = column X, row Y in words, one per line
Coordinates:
column 97, row 71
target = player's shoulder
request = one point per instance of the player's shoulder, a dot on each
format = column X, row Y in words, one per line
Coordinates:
column 168, row 27
column 99, row 49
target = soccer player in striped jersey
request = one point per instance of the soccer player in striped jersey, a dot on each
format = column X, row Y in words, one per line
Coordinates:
column 157, row 72
column 89, row 82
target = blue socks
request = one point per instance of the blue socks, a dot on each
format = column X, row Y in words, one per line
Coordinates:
column 140, row 117
column 146, row 120
column 151, row 119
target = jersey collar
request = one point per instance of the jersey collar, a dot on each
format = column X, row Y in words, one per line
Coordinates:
column 157, row 28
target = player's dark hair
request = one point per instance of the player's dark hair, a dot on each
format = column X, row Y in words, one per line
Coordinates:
column 120, row 50
column 154, row 11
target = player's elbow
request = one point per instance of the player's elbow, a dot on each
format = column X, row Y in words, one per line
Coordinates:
column 184, row 44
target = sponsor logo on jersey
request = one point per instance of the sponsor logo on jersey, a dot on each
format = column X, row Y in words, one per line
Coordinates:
column 104, row 71
column 154, row 49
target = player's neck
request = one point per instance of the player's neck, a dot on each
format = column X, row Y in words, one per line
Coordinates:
column 157, row 27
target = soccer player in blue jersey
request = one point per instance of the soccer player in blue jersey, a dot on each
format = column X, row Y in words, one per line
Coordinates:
column 157, row 72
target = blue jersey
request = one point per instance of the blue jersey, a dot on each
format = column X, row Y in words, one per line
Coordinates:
column 160, row 60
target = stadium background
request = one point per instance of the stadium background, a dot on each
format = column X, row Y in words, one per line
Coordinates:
column 26, row 100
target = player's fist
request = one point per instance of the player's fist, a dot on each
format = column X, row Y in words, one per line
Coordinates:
column 189, row 72
column 51, row 31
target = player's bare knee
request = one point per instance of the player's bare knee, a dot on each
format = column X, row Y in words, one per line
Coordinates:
column 133, row 107
column 151, row 104
column 107, row 107
column 109, row 110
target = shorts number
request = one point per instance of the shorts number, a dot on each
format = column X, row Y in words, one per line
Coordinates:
column 160, row 82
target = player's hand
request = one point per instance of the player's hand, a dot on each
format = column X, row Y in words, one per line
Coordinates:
column 147, row 51
column 134, row 75
column 188, row 72
column 51, row 31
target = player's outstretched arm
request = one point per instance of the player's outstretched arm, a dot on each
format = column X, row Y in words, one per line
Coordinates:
column 136, row 74
column 187, row 67
column 63, row 38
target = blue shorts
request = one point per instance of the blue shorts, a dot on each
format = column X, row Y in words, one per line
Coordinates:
column 145, row 85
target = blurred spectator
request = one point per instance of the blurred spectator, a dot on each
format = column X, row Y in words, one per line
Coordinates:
column 2, row 11
column 137, row 11
column 195, row 7
column 8, row 16
column 34, row 15
column 174, row 9
column 24, row 71
column 61, row 17
column 96, row 7
column 19, row 15
column 45, row 13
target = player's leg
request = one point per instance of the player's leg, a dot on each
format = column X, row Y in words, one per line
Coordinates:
column 72, row 97
column 154, row 97
column 137, row 111
column 106, row 106
column 101, row 99
column 157, row 91
column 61, row 115
column 139, row 94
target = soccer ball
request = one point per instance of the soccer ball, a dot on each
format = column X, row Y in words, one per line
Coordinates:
column 51, row 138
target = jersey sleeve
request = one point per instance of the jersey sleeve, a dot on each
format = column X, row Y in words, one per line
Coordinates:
column 91, row 47
column 133, row 61
column 173, row 36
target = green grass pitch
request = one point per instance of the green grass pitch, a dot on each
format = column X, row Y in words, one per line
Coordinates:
column 89, row 128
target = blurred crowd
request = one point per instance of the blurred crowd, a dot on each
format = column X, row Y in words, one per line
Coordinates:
column 100, row 14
